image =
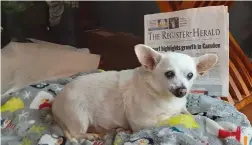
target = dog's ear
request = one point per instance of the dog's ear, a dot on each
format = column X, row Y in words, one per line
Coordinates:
column 205, row 62
column 148, row 57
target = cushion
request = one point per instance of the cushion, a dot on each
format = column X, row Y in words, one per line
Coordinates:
column 23, row 64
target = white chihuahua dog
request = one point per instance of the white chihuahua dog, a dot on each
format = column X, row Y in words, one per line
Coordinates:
column 130, row 99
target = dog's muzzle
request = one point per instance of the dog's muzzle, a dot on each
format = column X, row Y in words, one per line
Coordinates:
column 179, row 91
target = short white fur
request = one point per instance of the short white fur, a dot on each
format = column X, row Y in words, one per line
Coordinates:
column 131, row 99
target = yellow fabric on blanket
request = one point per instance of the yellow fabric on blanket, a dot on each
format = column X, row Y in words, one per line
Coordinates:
column 12, row 105
column 182, row 119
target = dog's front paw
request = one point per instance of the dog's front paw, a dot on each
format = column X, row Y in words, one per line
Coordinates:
column 92, row 136
column 185, row 111
column 162, row 117
column 74, row 140
column 117, row 130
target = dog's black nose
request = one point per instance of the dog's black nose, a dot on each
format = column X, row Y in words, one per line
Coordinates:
column 180, row 92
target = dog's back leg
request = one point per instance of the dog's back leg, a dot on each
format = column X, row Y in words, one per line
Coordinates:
column 76, row 136
column 65, row 131
column 78, row 131
column 81, row 133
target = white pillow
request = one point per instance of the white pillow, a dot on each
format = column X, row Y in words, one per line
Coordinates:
column 58, row 46
column 23, row 64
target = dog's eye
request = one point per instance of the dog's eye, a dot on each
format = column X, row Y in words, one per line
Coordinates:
column 189, row 75
column 170, row 74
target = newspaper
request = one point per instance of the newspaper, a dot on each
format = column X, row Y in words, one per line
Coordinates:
column 195, row 32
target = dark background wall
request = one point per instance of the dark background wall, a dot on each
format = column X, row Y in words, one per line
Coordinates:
column 118, row 16
column 128, row 17
column 240, row 24
column 125, row 16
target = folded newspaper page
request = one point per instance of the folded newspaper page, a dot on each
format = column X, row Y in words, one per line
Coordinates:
column 195, row 32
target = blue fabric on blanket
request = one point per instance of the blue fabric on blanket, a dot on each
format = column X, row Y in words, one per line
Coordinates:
column 26, row 120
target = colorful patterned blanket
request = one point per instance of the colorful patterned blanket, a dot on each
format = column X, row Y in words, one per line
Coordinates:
column 26, row 120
